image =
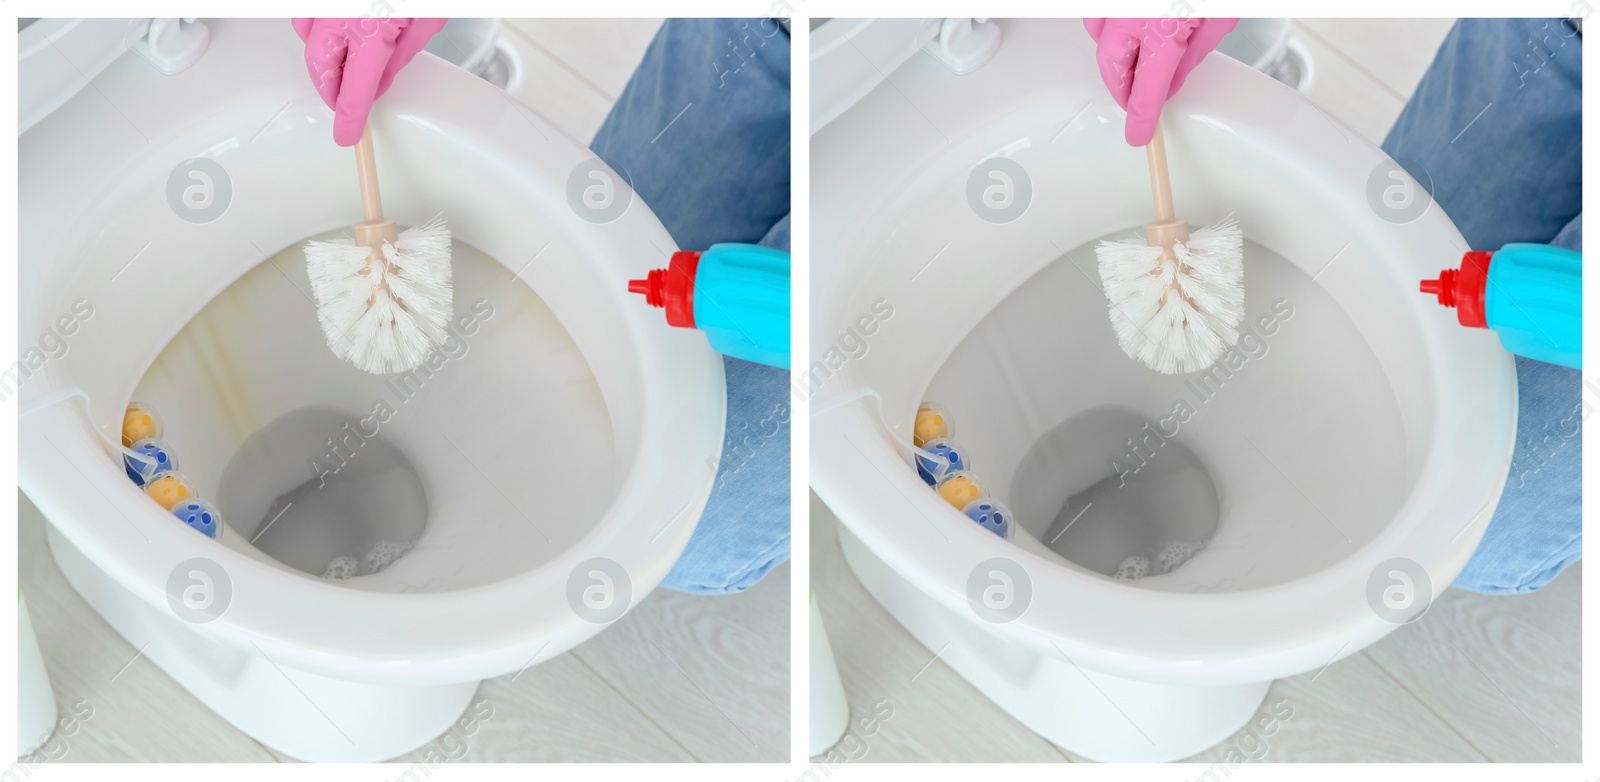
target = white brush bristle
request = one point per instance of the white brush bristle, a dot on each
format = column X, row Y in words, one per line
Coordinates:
column 382, row 329
column 1169, row 332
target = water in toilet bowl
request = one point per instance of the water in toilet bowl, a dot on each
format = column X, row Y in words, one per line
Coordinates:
column 1149, row 517
column 352, row 522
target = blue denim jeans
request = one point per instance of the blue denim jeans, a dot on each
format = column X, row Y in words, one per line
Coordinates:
column 702, row 132
column 1496, row 126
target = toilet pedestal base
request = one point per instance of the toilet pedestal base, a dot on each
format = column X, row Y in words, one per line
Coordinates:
column 1088, row 713
column 303, row 715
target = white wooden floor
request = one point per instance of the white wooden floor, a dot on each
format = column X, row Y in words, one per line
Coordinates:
column 1479, row 679
column 1367, row 68
column 680, row 678
column 574, row 69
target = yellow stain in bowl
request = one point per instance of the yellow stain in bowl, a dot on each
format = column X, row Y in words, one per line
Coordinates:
column 959, row 490
column 930, row 425
column 137, row 424
column 168, row 490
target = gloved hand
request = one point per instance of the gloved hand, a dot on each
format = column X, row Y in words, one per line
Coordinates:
column 1144, row 61
column 353, row 61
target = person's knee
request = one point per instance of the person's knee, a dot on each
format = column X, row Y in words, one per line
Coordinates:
column 1571, row 236
column 712, row 570
column 693, row 584
column 1497, row 578
column 778, row 236
column 1536, row 532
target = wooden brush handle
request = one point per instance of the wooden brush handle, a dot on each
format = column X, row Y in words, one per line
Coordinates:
column 1160, row 184
column 1167, row 228
column 367, row 176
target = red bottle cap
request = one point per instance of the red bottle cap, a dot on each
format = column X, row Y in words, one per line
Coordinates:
column 1463, row 288
column 672, row 288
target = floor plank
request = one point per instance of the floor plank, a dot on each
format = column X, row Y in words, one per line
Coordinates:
column 556, row 91
column 1349, row 94
column 712, row 671
column 602, row 55
column 560, row 710
column 1393, row 54
column 1352, row 712
column 1505, row 671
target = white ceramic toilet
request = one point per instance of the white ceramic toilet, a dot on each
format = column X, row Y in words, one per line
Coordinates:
column 1357, row 426
column 566, row 444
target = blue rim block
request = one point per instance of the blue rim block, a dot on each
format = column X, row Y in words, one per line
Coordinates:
column 199, row 514
column 140, row 472
column 991, row 515
column 951, row 458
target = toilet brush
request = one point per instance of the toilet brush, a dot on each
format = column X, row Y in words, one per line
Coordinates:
column 383, row 297
column 1176, row 299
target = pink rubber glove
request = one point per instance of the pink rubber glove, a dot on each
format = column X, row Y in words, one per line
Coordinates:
column 1144, row 62
column 353, row 61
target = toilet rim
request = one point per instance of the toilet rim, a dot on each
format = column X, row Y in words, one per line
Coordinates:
column 1184, row 638
column 425, row 637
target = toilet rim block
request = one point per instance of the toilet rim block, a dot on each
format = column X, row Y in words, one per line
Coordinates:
column 933, row 469
column 201, row 515
column 159, row 457
column 936, row 409
column 156, row 426
column 984, row 506
column 181, row 481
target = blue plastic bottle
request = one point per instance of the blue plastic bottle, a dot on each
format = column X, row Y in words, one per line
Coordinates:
column 1529, row 294
column 738, row 294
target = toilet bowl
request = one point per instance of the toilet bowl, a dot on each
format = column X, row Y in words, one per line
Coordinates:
column 1318, row 487
column 498, row 506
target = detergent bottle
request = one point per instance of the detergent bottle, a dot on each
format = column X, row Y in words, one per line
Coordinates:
column 738, row 294
column 1529, row 294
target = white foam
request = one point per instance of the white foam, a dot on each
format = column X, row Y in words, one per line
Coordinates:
column 1133, row 569
column 382, row 555
column 1172, row 557
column 385, row 553
column 341, row 568
column 1178, row 552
